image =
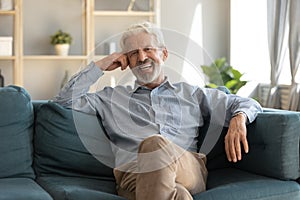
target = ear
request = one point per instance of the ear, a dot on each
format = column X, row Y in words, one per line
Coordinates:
column 165, row 54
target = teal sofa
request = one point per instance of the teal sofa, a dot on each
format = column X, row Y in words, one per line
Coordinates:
column 49, row 152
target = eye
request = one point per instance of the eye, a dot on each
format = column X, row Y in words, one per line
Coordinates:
column 148, row 49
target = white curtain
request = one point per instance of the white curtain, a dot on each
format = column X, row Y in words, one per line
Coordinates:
column 277, row 23
column 294, row 48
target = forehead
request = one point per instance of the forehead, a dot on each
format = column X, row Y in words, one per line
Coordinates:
column 139, row 40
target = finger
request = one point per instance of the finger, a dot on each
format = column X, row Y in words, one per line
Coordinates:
column 113, row 66
column 123, row 61
column 238, row 148
column 109, row 62
column 227, row 149
column 245, row 144
column 232, row 150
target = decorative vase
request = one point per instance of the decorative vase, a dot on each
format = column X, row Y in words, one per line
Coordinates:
column 62, row 49
column 1, row 80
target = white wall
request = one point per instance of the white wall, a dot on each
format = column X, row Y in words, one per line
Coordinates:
column 199, row 32
column 214, row 31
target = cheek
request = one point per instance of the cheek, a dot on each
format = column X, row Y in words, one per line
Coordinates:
column 131, row 64
column 157, row 58
column 161, row 57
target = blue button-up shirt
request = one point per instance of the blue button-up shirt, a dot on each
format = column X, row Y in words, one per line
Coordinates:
column 130, row 114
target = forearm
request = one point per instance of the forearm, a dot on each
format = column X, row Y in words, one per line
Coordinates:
column 77, row 88
column 249, row 107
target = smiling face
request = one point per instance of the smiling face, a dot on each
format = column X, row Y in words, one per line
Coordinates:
column 146, row 58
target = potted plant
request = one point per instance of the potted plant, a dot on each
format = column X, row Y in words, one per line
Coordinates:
column 220, row 73
column 61, row 41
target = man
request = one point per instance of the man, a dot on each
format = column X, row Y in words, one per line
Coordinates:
column 153, row 127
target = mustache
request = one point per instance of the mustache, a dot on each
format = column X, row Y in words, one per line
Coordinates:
column 148, row 60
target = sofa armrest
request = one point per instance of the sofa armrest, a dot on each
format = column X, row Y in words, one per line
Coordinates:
column 273, row 145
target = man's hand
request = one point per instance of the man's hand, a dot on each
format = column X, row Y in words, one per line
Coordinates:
column 112, row 62
column 236, row 135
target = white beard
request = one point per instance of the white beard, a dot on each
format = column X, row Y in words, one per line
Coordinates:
column 149, row 77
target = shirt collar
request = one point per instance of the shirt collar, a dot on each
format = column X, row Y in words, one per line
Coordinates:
column 166, row 83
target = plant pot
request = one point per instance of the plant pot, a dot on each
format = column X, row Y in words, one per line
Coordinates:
column 62, row 49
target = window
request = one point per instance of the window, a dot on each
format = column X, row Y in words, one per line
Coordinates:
column 249, row 51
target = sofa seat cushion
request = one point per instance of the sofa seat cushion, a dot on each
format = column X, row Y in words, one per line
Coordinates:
column 21, row 189
column 16, row 132
column 234, row 184
column 74, row 188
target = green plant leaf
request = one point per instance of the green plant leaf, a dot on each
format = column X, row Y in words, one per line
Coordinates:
column 220, row 62
column 225, row 78
column 211, row 85
column 231, row 84
column 61, row 37
column 236, row 74
column 213, row 74
column 221, row 73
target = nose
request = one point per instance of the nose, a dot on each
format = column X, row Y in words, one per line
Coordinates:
column 142, row 55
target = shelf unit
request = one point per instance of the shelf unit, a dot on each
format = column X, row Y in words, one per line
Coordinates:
column 7, row 12
column 54, row 57
column 84, row 39
column 16, row 58
column 124, row 13
column 89, row 16
column 152, row 15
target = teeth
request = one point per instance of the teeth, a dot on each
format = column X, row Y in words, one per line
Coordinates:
column 145, row 66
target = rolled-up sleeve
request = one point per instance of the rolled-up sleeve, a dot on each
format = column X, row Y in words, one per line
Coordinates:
column 75, row 93
column 222, row 107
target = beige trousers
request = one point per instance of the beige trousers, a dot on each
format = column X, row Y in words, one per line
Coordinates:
column 163, row 171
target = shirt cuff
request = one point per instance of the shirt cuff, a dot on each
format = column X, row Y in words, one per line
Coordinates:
column 241, row 113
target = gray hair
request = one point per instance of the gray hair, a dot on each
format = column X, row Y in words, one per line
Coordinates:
column 146, row 27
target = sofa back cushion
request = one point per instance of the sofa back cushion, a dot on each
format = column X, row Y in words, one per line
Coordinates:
column 61, row 138
column 16, row 131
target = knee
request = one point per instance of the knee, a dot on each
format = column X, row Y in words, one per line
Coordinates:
column 182, row 192
column 153, row 143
